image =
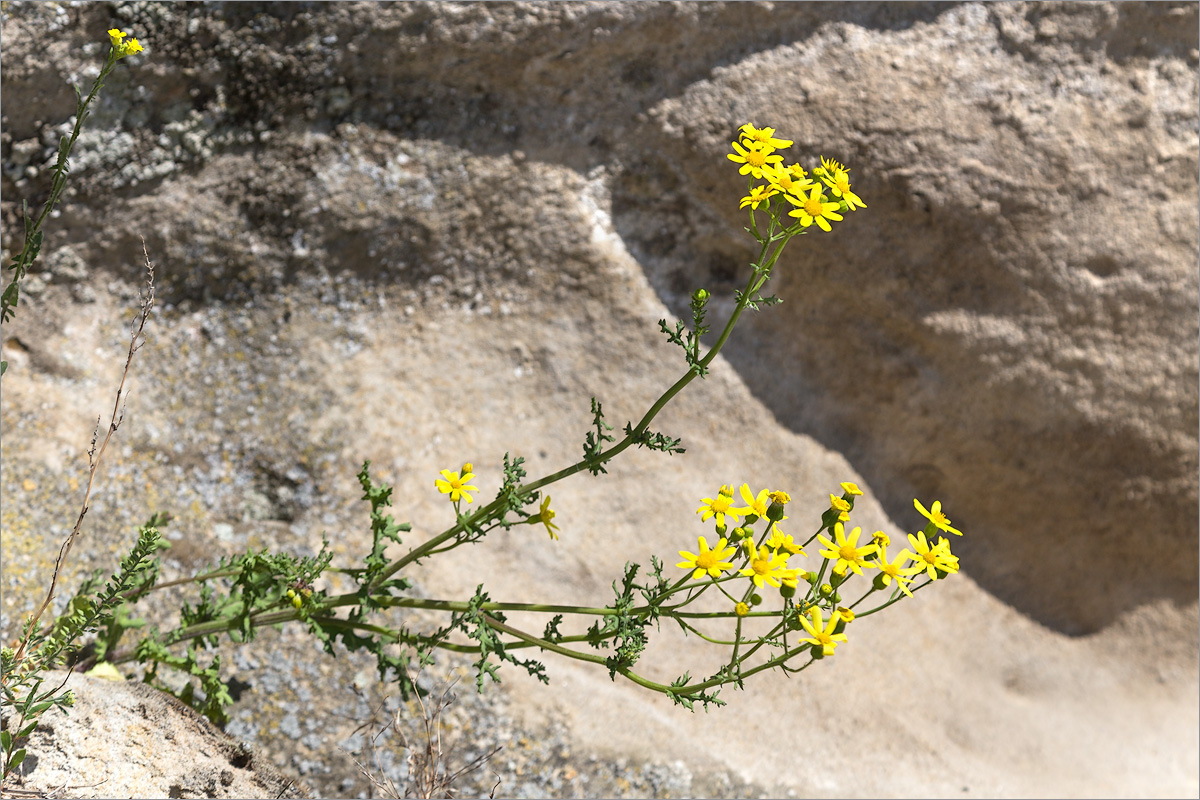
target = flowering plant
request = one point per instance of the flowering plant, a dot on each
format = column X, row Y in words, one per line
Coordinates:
column 786, row 603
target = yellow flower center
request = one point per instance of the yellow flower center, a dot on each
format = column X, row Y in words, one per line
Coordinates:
column 756, row 158
column 940, row 519
column 761, row 566
column 847, row 553
column 722, row 504
column 842, row 181
column 707, row 560
column 813, row 206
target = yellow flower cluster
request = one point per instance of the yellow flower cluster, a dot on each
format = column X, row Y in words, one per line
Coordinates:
column 756, row 150
column 765, row 561
column 120, row 46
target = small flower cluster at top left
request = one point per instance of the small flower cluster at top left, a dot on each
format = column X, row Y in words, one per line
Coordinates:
column 121, row 47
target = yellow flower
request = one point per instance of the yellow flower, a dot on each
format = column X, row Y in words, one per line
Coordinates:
column 822, row 634
column 754, row 505
column 719, row 507
column 839, row 185
column 880, row 538
column 710, row 562
column 847, row 552
column 841, row 506
column 758, row 195
column 892, row 569
column 116, row 35
column 935, row 515
column 931, row 558
column 851, row 489
column 132, row 46
column 544, row 515
column 763, row 136
column 783, row 541
column 828, row 165
column 814, row 209
column 783, row 498
column 754, row 159
column 785, row 178
column 741, row 609
column 767, row 565
column 456, row 486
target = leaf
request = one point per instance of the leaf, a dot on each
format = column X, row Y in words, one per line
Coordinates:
column 16, row 760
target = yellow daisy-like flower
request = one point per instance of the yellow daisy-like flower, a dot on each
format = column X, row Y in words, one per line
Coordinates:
column 892, row 569
column 783, row 498
column 544, row 515
column 457, row 486
column 754, row 158
column 767, row 566
column 822, row 635
column 758, row 195
column 708, row 562
column 783, row 541
column 814, row 209
column 847, row 552
column 750, row 134
column 935, row 515
column 931, row 558
column 839, row 185
column 741, row 609
column 720, row 507
column 754, row 505
column 785, row 179
column 851, row 489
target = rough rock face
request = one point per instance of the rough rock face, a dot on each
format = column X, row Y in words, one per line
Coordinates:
column 383, row 230
column 127, row 737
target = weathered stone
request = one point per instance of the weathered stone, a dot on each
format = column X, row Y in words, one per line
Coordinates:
column 425, row 233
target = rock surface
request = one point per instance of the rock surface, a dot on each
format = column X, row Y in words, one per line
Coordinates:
column 127, row 739
column 426, row 233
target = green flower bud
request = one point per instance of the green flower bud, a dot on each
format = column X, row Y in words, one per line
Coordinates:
column 835, row 598
column 787, row 591
column 838, row 578
column 775, row 512
column 756, row 599
column 751, row 519
column 826, row 589
column 297, row 602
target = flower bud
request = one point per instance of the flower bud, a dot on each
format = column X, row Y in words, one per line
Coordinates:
column 775, row 512
column 296, row 602
column 756, row 599
column 826, row 589
column 787, row 590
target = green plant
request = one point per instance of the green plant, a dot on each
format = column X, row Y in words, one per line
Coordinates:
column 776, row 615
